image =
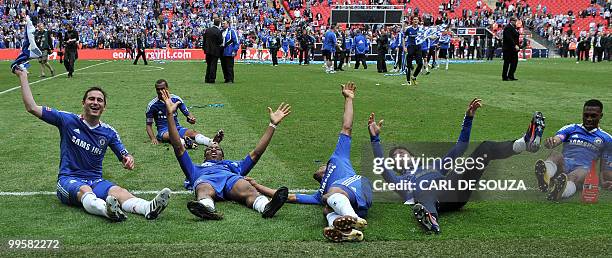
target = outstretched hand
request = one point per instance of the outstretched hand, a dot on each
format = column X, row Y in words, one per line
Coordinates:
column 128, row 162
column 170, row 106
column 374, row 127
column 281, row 112
column 473, row 106
column 348, row 90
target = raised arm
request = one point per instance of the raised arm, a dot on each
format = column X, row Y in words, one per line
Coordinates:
column 26, row 94
column 466, row 128
column 348, row 91
column 276, row 117
column 173, row 133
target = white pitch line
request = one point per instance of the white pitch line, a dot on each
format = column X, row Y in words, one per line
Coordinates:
column 134, row 192
column 49, row 78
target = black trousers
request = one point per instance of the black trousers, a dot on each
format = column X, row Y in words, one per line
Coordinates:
column 381, row 65
column 360, row 58
column 227, row 65
column 292, row 53
column 343, row 58
column 141, row 53
column 274, row 53
column 597, row 53
column 490, row 53
column 304, row 56
column 487, row 151
column 69, row 59
column 470, row 52
column 414, row 53
column 211, row 69
column 510, row 63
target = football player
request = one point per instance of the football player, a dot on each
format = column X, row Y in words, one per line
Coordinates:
column 84, row 140
column 221, row 179
column 345, row 196
column 582, row 143
column 156, row 112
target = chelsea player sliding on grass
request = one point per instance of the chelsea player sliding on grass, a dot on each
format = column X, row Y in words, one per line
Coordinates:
column 83, row 143
column 430, row 202
column 582, row 143
column 345, row 196
column 221, row 179
column 156, row 112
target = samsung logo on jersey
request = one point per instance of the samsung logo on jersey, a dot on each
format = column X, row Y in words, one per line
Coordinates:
column 583, row 144
column 324, row 182
column 86, row 146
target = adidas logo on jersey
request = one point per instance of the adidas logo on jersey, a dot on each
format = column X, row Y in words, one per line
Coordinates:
column 77, row 131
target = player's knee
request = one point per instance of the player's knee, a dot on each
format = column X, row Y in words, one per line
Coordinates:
column 555, row 157
column 84, row 189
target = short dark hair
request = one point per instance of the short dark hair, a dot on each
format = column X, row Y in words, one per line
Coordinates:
column 95, row 88
column 217, row 21
column 594, row 103
column 392, row 150
column 160, row 82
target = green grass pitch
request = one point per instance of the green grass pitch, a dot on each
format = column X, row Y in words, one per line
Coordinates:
column 430, row 112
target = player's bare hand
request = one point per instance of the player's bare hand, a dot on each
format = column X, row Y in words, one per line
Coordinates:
column 473, row 106
column 170, row 106
column 348, row 90
column 281, row 112
column 374, row 127
column 21, row 73
column 250, row 180
column 128, row 162
column 551, row 142
column 191, row 119
column 154, row 142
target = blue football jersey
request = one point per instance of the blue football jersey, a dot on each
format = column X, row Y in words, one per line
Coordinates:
column 82, row 147
column 411, row 36
column 583, row 146
column 156, row 112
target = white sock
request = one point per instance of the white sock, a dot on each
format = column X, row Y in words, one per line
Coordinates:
column 182, row 141
column 551, row 168
column 93, row 204
column 201, row 139
column 341, row 205
column 136, row 205
column 446, row 64
column 570, row 189
column 519, row 145
column 207, row 202
column 331, row 217
column 260, row 203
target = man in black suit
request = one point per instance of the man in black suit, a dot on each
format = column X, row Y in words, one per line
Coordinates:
column 140, row 47
column 510, row 48
column 383, row 47
column 213, row 39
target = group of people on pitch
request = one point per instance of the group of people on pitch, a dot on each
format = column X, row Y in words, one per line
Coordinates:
column 345, row 196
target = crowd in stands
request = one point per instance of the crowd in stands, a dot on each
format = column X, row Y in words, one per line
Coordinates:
column 180, row 23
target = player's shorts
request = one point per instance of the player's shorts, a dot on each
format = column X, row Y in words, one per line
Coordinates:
column 327, row 54
column 181, row 130
column 443, row 53
column 44, row 57
column 424, row 52
column 222, row 182
column 359, row 190
column 285, row 49
column 68, row 189
column 414, row 52
column 570, row 165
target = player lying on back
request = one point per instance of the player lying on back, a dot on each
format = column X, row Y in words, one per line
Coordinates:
column 430, row 202
column 156, row 112
column 346, row 196
column 84, row 140
column 221, row 179
column 582, row 143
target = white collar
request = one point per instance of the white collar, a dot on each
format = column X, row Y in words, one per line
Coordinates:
column 87, row 124
column 592, row 131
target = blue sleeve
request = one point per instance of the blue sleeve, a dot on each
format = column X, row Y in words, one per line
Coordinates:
column 343, row 147
column 52, row 116
column 183, row 108
column 389, row 175
column 564, row 132
column 461, row 145
column 117, row 146
column 187, row 166
column 149, row 115
column 308, row 199
column 245, row 165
